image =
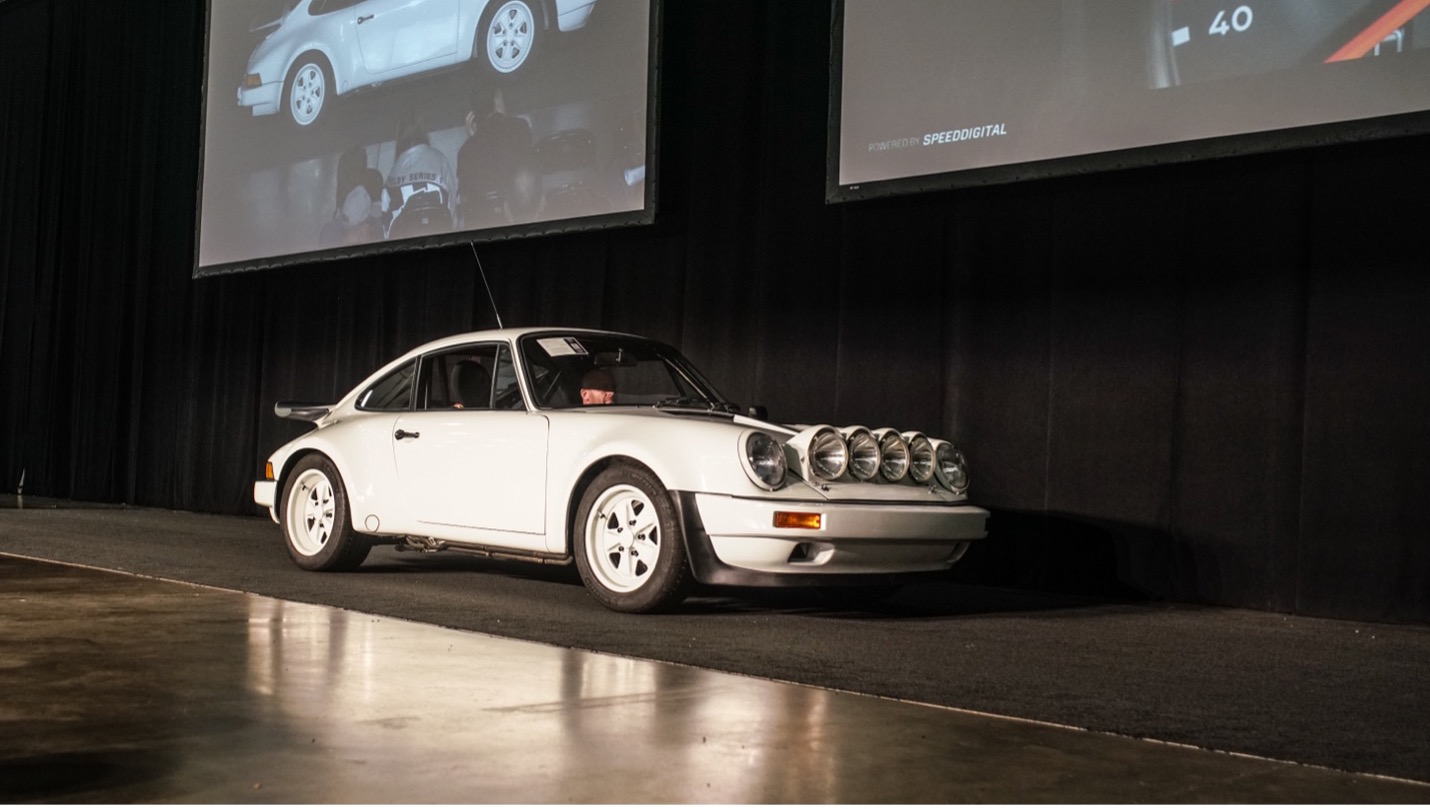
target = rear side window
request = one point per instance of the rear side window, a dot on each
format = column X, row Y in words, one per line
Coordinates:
column 320, row 7
column 392, row 392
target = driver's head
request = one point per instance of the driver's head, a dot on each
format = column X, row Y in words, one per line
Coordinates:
column 597, row 387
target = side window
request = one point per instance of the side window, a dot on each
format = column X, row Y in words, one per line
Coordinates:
column 392, row 392
column 460, row 378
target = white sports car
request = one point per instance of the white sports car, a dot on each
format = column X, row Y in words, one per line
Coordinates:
column 610, row 449
column 324, row 48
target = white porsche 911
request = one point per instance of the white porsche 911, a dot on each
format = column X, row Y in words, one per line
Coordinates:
column 320, row 49
column 610, row 449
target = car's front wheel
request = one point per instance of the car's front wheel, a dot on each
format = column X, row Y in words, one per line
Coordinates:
column 316, row 522
column 305, row 94
column 509, row 35
column 628, row 543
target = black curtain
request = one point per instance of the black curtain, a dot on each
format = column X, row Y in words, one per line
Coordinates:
column 1205, row 382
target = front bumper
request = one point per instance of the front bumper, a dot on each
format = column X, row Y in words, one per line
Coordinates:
column 265, row 493
column 733, row 541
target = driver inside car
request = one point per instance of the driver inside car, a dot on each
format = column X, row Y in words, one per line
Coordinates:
column 598, row 387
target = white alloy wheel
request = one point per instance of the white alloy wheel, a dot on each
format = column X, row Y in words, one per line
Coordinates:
column 315, row 518
column 628, row 542
column 310, row 512
column 510, row 36
column 307, row 92
column 623, row 538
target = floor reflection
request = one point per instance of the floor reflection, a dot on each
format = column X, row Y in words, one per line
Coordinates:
column 362, row 685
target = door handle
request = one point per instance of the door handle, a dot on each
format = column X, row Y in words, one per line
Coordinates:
column 401, row 434
column 364, row 18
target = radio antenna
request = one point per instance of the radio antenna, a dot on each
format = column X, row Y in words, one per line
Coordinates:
column 483, row 273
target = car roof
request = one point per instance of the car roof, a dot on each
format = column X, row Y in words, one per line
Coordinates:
column 452, row 340
column 508, row 335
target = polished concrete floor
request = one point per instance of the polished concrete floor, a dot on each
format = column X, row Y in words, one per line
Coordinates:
column 119, row 689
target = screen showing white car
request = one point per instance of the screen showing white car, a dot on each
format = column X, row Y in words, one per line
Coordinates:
column 333, row 128
column 931, row 94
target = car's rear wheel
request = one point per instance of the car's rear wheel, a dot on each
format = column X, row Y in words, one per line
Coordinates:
column 509, row 34
column 305, row 93
column 316, row 521
column 628, row 543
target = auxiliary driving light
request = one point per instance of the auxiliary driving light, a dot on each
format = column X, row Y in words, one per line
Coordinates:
column 921, row 458
column 823, row 455
column 895, row 452
column 950, row 467
column 865, row 457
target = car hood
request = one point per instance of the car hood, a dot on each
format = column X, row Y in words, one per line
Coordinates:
column 687, row 444
column 691, row 415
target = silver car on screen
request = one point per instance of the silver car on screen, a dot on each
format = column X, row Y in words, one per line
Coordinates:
column 320, row 49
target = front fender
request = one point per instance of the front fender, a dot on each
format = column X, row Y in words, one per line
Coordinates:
column 686, row 454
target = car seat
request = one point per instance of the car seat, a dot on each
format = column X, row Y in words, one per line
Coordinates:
column 473, row 385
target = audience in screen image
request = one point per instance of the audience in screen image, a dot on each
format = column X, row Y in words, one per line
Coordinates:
column 501, row 178
column 419, row 196
column 357, row 218
column 497, row 170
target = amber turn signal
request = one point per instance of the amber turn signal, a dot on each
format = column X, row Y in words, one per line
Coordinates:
column 798, row 519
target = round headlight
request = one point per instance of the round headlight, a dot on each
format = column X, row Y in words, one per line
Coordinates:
column 765, row 460
column 921, row 460
column 864, row 456
column 828, row 454
column 894, row 451
column 952, row 470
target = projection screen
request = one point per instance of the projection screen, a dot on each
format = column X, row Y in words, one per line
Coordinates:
column 931, row 94
column 335, row 128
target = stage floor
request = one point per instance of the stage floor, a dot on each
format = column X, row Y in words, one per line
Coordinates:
column 125, row 688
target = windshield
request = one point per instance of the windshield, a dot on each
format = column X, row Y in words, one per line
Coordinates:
column 593, row 370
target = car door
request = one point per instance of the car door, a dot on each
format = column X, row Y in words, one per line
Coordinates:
column 399, row 37
column 470, row 455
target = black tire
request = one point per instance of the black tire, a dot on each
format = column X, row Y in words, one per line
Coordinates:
column 505, row 46
column 316, row 522
column 626, row 516
column 308, row 91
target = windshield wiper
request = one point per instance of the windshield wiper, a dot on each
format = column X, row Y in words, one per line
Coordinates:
column 699, row 402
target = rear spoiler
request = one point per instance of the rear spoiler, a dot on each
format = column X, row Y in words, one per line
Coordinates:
column 302, row 411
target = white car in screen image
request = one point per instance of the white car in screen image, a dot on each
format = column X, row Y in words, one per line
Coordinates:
column 320, row 49
column 610, row 450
